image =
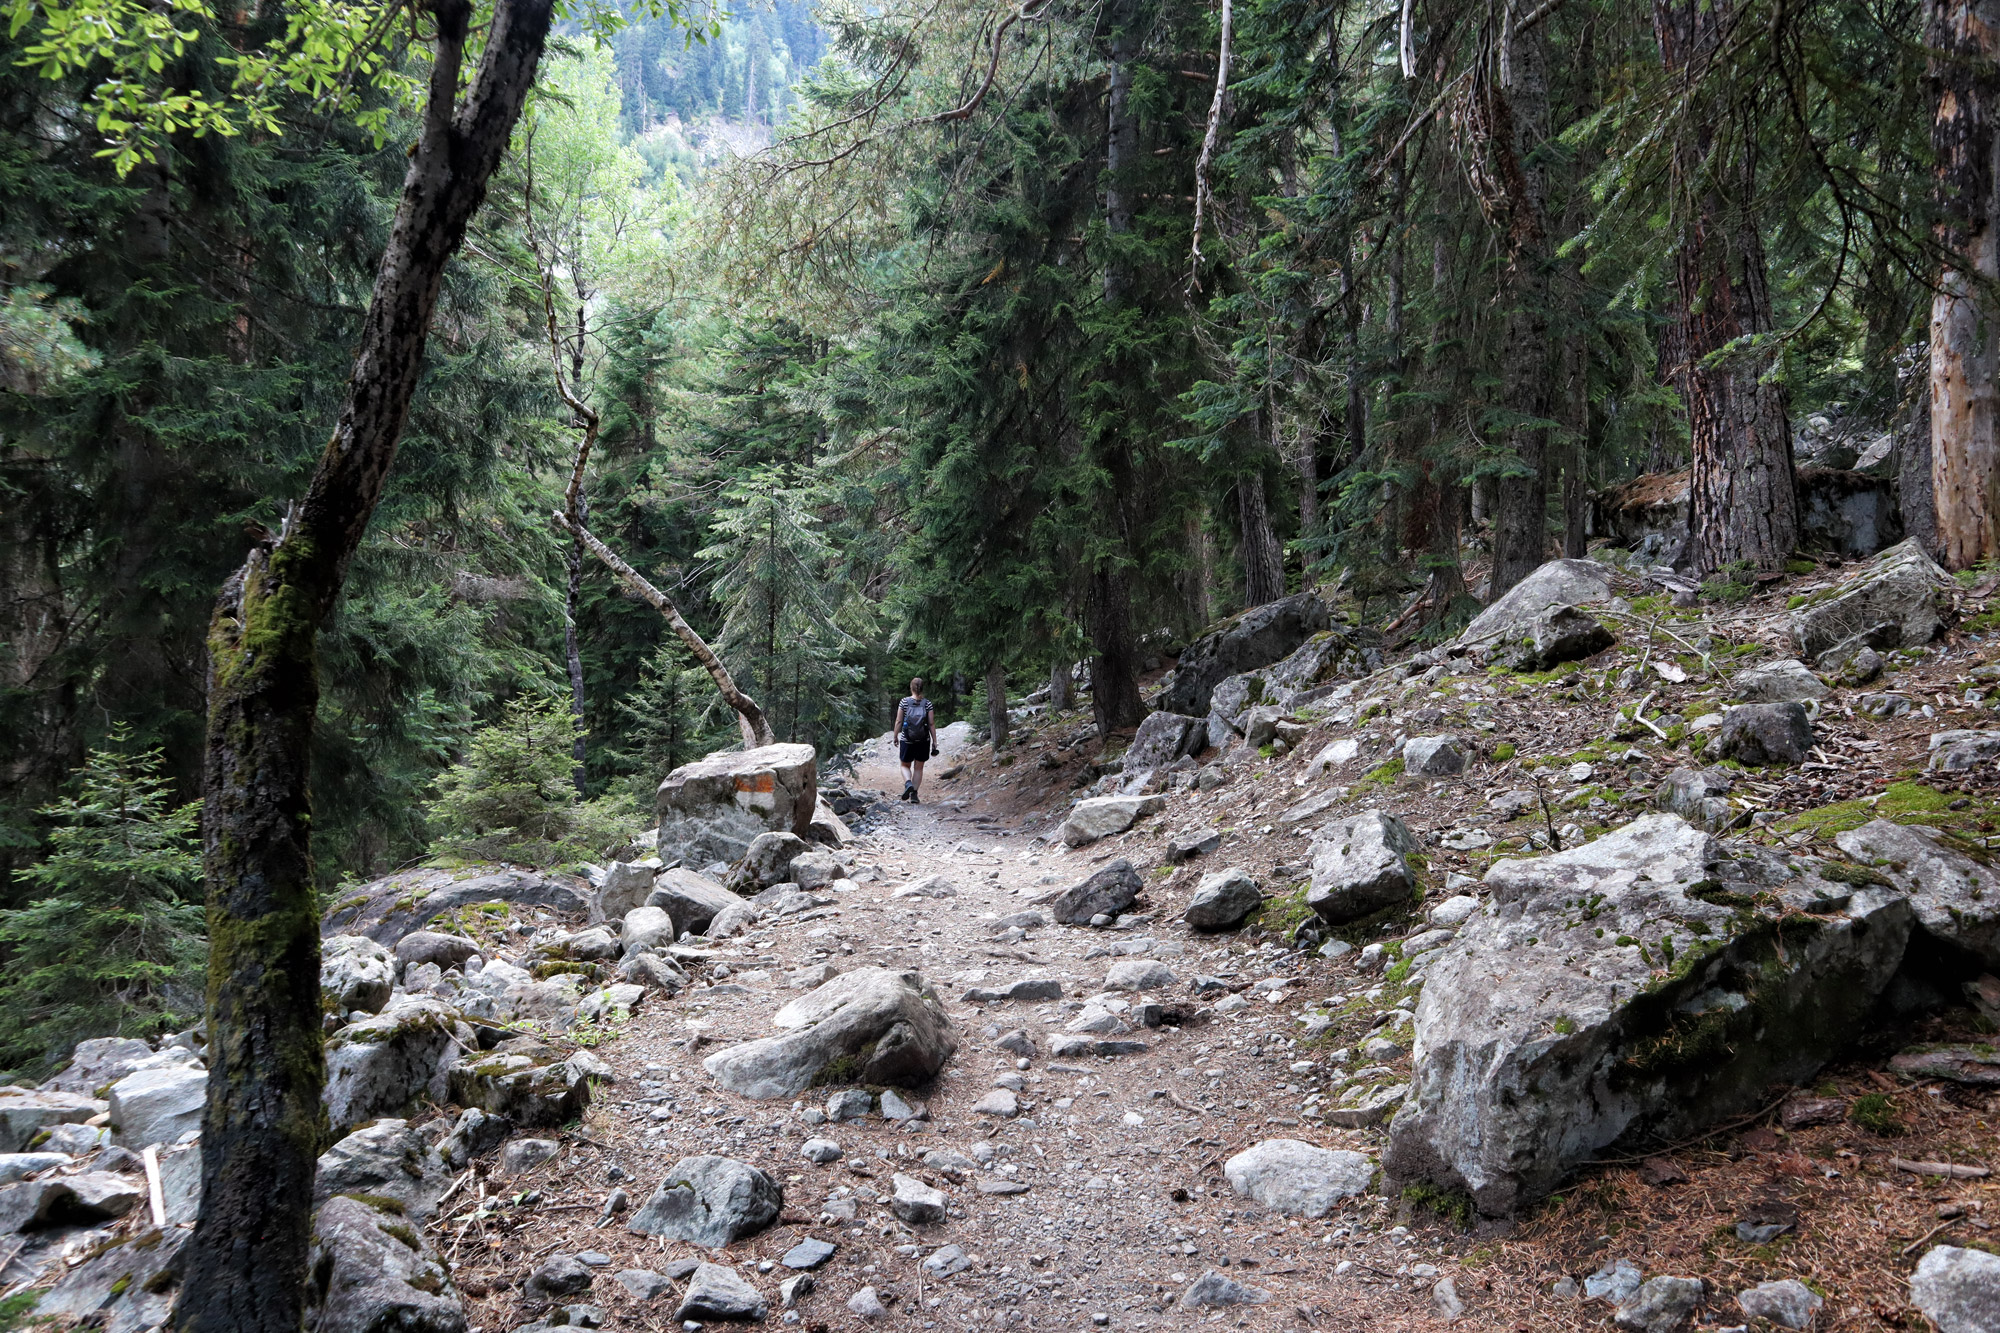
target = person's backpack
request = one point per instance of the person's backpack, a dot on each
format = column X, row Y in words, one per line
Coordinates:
column 917, row 721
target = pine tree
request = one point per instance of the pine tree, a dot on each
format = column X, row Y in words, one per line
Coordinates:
column 110, row 942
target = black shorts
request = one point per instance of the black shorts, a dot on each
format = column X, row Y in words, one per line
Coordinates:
column 915, row 752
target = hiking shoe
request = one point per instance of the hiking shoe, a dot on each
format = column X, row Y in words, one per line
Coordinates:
column 909, row 791
column 913, row 797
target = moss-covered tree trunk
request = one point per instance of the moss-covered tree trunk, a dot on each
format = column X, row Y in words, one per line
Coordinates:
column 263, row 1128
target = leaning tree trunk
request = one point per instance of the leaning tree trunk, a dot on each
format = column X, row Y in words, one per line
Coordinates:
column 1517, row 109
column 1742, row 493
column 1964, row 37
column 263, row 1126
column 573, row 654
column 996, row 703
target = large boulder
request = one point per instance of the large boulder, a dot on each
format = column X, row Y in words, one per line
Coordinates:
column 1360, row 864
column 691, row 899
column 385, row 1160
column 710, row 1201
column 26, row 1112
column 1255, row 638
column 1645, row 985
column 1951, row 887
column 388, row 909
column 157, row 1105
column 385, row 1064
column 524, row 1080
column 355, row 973
column 871, row 1025
column 129, row 1287
column 79, row 1200
column 371, row 1272
column 714, row 808
column 1510, row 618
column 1102, row 816
column 1900, row 591
column 1847, row 511
column 1164, row 737
column 1106, row 893
column 98, row 1063
column 1557, row 635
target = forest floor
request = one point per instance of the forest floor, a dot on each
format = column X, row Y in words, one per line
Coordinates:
column 1125, row 1201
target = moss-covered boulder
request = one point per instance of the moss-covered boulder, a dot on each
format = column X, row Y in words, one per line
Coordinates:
column 530, row 1083
column 373, row 1271
column 1640, row 987
column 385, row 1064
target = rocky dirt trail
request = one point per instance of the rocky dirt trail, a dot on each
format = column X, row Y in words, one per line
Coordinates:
column 1089, row 1193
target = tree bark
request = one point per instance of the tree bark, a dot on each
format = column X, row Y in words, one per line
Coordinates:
column 1964, row 38
column 573, row 653
column 1114, row 665
column 263, row 1125
column 996, row 703
column 750, row 718
column 1743, row 495
column 1059, row 691
column 1519, row 119
column 1263, row 561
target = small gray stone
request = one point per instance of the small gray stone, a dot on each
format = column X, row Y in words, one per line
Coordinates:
column 945, row 1261
column 821, row 1151
column 1787, row 682
column 848, row 1104
column 809, row 1253
column 865, row 1304
column 562, row 1275
column 1136, row 974
column 710, row 1201
column 644, row 1284
column 1213, row 1289
column 1788, row 1303
column 893, row 1107
column 1108, row 892
column 795, row 1288
column 1445, row 1300
column 1661, row 1305
column 1433, row 756
column 1222, row 900
column 1615, row 1282
column 917, row 1203
column 999, row 1102
column 524, row 1155
column 1018, row 1042
column 716, row 1292
column 1297, row 1178
column 1765, row 734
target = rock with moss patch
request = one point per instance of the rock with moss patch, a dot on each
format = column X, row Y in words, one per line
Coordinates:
column 871, row 1025
column 388, row 909
column 386, row 1160
column 1555, row 585
column 26, row 1112
column 1360, row 865
column 710, row 1201
column 1223, row 899
column 1896, row 597
column 371, row 1271
column 1952, row 885
column 98, row 1063
column 128, row 1286
column 355, row 973
column 1256, row 637
column 1639, row 985
column 714, row 808
column 530, row 1083
column 384, row 1065
column 1700, row 796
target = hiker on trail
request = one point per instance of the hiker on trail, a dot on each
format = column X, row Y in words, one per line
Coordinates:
column 916, row 735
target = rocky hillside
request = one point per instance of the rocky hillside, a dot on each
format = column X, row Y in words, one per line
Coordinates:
column 1629, row 959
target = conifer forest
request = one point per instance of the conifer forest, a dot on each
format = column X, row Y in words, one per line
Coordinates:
column 1376, row 492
